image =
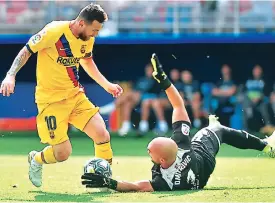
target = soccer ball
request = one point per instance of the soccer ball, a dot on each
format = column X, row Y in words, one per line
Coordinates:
column 98, row 165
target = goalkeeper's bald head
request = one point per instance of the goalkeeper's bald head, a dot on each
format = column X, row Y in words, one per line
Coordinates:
column 163, row 151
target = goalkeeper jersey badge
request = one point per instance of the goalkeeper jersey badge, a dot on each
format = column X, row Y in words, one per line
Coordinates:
column 185, row 129
column 83, row 49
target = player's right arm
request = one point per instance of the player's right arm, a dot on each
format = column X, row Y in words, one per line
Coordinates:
column 43, row 39
column 7, row 86
column 92, row 180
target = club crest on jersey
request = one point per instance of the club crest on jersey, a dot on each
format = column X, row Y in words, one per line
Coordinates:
column 52, row 135
column 185, row 129
column 83, row 49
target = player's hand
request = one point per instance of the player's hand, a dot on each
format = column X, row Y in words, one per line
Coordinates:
column 158, row 73
column 114, row 89
column 7, row 86
column 93, row 180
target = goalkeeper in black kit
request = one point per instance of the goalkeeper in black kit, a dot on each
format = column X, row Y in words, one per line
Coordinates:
column 179, row 162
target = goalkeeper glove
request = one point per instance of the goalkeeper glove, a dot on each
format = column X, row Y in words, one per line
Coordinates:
column 158, row 73
column 94, row 180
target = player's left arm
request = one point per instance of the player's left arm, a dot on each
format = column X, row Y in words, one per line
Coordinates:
column 91, row 69
column 92, row 180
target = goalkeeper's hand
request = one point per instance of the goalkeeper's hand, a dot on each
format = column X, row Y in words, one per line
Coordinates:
column 94, row 180
column 158, row 74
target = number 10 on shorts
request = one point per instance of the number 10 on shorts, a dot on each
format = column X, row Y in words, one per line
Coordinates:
column 51, row 124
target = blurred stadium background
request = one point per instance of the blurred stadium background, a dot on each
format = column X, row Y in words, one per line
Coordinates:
column 137, row 17
column 194, row 38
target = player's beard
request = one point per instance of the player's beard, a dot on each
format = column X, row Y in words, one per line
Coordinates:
column 83, row 37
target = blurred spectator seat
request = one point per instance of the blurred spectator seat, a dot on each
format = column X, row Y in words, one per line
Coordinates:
column 210, row 104
column 15, row 9
column 3, row 11
column 206, row 90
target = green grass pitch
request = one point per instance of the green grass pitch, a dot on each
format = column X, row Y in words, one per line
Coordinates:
column 240, row 175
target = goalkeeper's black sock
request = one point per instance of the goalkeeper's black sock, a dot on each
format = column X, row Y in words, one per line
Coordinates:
column 242, row 139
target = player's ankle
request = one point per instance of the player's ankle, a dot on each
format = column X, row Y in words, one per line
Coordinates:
column 34, row 162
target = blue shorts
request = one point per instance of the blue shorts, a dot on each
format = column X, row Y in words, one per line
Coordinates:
column 163, row 95
column 147, row 96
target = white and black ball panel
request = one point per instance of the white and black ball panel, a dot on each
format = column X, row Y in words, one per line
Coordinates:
column 98, row 165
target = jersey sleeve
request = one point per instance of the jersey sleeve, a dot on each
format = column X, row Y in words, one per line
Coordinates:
column 43, row 39
column 159, row 184
column 89, row 50
column 181, row 134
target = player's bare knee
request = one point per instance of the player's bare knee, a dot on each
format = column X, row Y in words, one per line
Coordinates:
column 156, row 104
column 135, row 96
column 146, row 104
column 62, row 155
column 99, row 134
column 62, row 151
column 103, row 137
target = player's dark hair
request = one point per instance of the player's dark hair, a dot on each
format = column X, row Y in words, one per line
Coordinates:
column 93, row 12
